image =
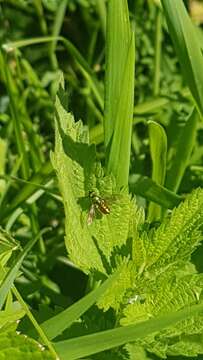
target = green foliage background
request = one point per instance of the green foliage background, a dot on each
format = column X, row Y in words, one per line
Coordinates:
column 100, row 96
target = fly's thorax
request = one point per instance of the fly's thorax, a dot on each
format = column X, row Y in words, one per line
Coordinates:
column 94, row 197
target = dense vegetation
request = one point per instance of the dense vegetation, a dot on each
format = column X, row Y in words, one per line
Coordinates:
column 101, row 194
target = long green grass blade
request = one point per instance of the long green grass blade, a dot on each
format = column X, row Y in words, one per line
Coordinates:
column 16, row 116
column 91, row 344
column 183, row 152
column 119, row 90
column 158, row 151
column 58, row 21
column 7, row 282
column 101, row 10
column 147, row 188
column 41, row 18
column 38, row 328
column 157, row 59
column 186, row 43
column 151, row 106
column 57, row 324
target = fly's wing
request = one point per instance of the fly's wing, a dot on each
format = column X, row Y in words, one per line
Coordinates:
column 91, row 214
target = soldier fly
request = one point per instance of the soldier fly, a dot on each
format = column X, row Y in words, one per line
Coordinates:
column 98, row 203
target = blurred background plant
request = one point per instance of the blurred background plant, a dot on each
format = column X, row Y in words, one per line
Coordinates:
column 29, row 73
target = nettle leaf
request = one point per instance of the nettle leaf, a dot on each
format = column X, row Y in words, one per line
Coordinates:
column 156, row 276
column 138, row 239
column 169, row 291
column 11, row 313
column 73, row 160
column 18, row 347
column 188, row 345
column 115, row 296
column 90, row 247
column 179, row 235
column 166, row 281
column 129, row 261
column 164, row 293
column 136, row 352
column 114, row 354
column 112, row 230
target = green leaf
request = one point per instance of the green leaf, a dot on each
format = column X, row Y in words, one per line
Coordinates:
column 74, row 162
column 188, row 345
column 184, row 149
column 3, row 152
column 147, row 188
column 165, row 282
column 15, row 105
column 57, row 324
column 186, row 43
column 11, row 314
column 179, row 235
column 158, row 52
column 104, row 340
column 58, row 22
column 7, row 245
column 169, row 292
column 158, row 151
column 136, row 352
column 18, row 347
column 119, row 91
column 89, row 246
column 151, row 106
column 8, row 280
column 115, row 296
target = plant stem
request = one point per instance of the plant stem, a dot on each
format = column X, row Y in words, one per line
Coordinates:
column 35, row 323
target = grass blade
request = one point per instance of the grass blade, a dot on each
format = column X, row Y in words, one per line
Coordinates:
column 186, row 43
column 147, row 188
column 101, row 10
column 58, row 21
column 157, row 59
column 119, row 91
column 158, row 150
column 16, row 116
column 7, row 282
column 119, row 154
column 57, row 324
column 37, row 327
column 183, row 151
column 104, row 340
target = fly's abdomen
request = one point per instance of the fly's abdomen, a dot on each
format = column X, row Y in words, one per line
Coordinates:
column 103, row 207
